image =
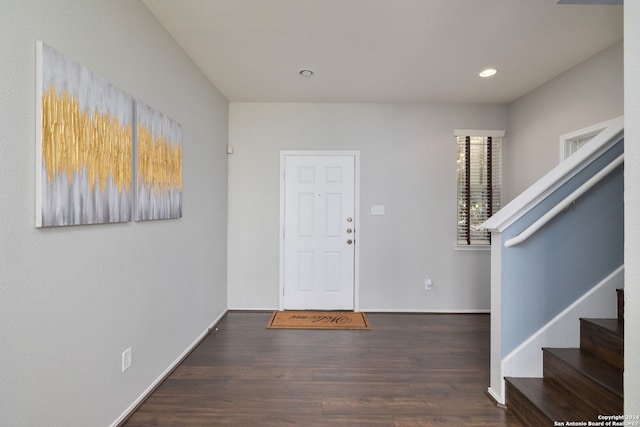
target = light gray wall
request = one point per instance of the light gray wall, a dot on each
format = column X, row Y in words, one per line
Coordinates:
column 408, row 157
column 587, row 94
column 632, row 207
column 73, row 298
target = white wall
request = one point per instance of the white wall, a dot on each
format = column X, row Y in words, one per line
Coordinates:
column 408, row 157
column 587, row 94
column 632, row 206
column 73, row 298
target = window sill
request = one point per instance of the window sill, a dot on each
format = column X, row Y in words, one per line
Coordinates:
column 473, row 248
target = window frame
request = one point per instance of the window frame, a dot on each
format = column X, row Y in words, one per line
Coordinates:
column 573, row 141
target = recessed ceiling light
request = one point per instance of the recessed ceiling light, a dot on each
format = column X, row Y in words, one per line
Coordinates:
column 488, row 72
column 306, row 73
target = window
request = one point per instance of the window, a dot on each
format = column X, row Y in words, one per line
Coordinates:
column 572, row 142
column 479, row 175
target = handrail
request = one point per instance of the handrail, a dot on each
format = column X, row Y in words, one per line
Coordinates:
column 565, row 202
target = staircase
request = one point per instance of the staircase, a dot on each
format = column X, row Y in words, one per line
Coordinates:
column 579, row 384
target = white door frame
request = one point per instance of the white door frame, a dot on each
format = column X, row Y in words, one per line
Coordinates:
column 358, row 228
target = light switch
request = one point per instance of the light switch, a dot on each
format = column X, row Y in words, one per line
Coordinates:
column 377, row 209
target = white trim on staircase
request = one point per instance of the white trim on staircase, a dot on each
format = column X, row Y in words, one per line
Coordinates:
column 559, row 175
column 564, row 329
column 566, row 202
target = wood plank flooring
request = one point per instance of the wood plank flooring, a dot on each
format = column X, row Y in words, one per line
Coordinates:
column 408, row 370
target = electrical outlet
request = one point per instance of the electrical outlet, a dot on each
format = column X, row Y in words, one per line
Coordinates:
column 126, row 359
column 428, row 284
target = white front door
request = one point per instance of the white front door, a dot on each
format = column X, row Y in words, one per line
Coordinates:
column 319, row 232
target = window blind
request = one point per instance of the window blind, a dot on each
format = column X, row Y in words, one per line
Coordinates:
column 479, row 179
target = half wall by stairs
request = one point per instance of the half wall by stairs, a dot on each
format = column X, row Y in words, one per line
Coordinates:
column 557, row 249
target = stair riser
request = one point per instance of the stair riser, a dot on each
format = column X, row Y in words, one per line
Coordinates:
column 602, row 343
column 620, row 294
column 523, row 409
column 597, row 395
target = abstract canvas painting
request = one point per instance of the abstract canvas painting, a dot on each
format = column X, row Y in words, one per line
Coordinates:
column 84, row 165
column 158, row 165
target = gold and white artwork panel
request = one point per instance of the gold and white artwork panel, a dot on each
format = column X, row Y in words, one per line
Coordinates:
column 158, row 165
column 84, row 170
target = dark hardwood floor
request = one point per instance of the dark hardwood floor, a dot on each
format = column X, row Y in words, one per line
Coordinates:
column 408, row 370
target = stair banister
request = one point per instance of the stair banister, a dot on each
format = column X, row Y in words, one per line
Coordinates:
column 565, row 203
column 510, row 351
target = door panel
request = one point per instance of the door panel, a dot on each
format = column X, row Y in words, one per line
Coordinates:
column 306, row 214
column 319, row 198
column 305, row 272
column 334, row 215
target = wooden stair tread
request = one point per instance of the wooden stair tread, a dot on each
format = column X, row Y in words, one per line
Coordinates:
column 591, row 367
column 612, row 325
column 552, row 400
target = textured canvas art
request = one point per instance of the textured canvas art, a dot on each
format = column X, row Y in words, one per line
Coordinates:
column 158, row 165
column 84, row 169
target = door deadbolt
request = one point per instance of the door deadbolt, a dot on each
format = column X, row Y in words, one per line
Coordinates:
column 349, row 219
column 349, row 231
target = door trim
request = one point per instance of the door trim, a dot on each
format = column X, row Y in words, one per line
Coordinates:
column 356, row 259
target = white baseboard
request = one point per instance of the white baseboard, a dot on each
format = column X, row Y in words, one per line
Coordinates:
column 425, row 311
column 387, row 310
column 499, row 399
column 166, row 372
column 564, row 329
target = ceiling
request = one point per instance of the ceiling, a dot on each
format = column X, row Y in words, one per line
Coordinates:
column 391, row 51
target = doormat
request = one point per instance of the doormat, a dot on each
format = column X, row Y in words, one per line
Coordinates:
column 317, row 320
